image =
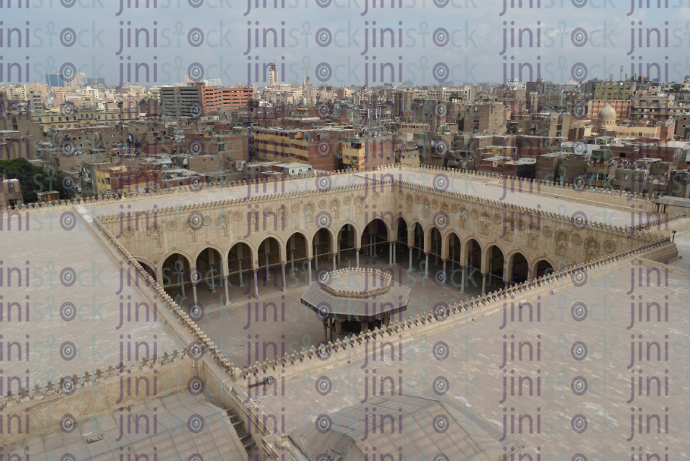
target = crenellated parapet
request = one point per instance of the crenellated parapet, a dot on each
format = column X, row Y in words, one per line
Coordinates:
column 153, row 234
column 354, row 346
column 612, row 197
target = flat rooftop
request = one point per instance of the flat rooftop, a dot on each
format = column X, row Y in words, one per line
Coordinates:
column 464, row 367
column 74, row 297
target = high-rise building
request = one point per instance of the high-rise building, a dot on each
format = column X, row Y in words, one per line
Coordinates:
column 79, row 80
column 273, row 74
column 55, row 79
column 225, row 99
column 182, row 101
column 95, row 81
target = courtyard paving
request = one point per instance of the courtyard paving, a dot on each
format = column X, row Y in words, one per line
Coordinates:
column 295, row 326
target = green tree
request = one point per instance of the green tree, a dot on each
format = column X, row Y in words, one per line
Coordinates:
column 32, row 179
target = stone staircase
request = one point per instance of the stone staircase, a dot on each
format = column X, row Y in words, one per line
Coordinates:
column 242, row 433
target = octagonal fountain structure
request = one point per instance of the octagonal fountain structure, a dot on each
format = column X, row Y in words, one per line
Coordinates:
column 355, row 300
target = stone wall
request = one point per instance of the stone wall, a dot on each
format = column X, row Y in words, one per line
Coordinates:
column 156, row 234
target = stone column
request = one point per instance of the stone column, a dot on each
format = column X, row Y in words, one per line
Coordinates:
column 316, row 257
column 395, row 252
column 483, row 284
column 226, row 282
column 212, row 263
column 390, row 254
column 411, row 254
column 213, row 282
column 444, row 265
column 181, row 279
column 310, row 272
column 357, row 254
column 282, row 267
column 194, row 291
column 463, row 272
column 334, row 261
column 241, row 281
column 426, row 266
column 256, row 283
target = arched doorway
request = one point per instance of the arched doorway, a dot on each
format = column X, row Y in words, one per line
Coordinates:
column 321, row 245
column 472, row 274
column 176, row 272
column 435, row 244
column 374, row 238
column 519, row 269
column 474, row 255
column 209, row 264
column 496, row 263
column 543, row 268
column 419, row 239
column 454, row 250
column 296, row 250
column 401, row 231
column 269, row 260
column 239, row 263
column 347, row 237
column 400, row 245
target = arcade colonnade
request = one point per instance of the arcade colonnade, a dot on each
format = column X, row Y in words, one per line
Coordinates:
column 445, row 248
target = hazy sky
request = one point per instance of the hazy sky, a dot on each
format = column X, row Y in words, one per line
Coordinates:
column 472, row 40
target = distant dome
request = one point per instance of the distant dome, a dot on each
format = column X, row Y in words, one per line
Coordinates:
column 607, row 116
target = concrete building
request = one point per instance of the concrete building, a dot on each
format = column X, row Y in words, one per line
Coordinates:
column 621, row 107
column 369, row 150
column 647, row 176
column 10, row 192
column 219, row 99
column 182, row 100
column 122, row 179
column 614, row 90
column 486, row 117
column 320, row 148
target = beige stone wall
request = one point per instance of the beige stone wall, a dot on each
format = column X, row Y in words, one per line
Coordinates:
column 92, row 395
column 222, row 225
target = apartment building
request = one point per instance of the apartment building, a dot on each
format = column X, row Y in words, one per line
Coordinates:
column 622, row 107
column 225, row 99
column 614, row 90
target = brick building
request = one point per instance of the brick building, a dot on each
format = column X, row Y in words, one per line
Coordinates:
column 225, row 99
